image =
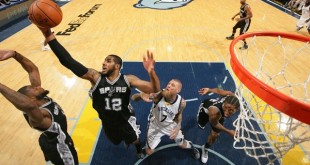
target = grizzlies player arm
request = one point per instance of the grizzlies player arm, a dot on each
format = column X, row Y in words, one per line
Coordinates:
column 24, row 103
column 144, row 96
column 155, row 97
column 66, row 59
column 178, row 120
column 149, row 66
column 30, row 67
column 178, row 117
column 146, row 86
column 214, row 118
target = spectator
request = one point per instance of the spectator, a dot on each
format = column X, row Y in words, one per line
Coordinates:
column 305, row 15
column 296, row 4
column 5, row 2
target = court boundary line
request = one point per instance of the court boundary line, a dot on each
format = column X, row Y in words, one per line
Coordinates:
column 175, row 145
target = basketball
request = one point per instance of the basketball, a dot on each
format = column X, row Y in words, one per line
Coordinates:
column 45, row 13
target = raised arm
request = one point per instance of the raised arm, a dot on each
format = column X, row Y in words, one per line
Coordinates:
column 155, row 97
column 66, row 59
column 218, row 91
column 149, row 66
column 145, row 86
column 30, row 67
column 25, row 104
column 147, row 97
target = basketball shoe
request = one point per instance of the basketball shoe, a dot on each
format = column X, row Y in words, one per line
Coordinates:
column 230, row 37
column 195, row 151
column 141, row 154
column 204, row 154
column 245, row 46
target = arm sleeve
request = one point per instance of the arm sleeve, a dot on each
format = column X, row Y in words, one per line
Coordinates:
column 66, row 59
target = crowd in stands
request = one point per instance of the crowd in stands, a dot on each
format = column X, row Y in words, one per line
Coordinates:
column 6, row 3
column 295, row 6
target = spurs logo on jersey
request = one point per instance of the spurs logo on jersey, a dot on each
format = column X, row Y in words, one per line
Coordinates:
column 112, row 90
column 218, row 100
column 243, row 12
column 111, row 99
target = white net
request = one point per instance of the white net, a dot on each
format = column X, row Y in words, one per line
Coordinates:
column 262, row 131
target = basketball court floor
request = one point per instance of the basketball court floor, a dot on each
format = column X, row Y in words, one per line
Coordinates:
column 188, row 41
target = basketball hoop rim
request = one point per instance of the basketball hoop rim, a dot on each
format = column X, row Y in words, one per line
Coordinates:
column 278, row 100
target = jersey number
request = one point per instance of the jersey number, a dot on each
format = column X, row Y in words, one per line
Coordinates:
column 114, row 104
column 165, row 117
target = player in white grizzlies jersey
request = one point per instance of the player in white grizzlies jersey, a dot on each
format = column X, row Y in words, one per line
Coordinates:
column 166, row 117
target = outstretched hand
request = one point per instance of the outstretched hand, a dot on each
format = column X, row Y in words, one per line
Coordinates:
column 203, row 91
column 6, row 54
column 148, row 61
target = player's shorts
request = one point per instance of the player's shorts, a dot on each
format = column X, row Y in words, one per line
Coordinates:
column 57, row 151
column 243, row 25
column 203, row 116
column 155, row 133
column 129, row 132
